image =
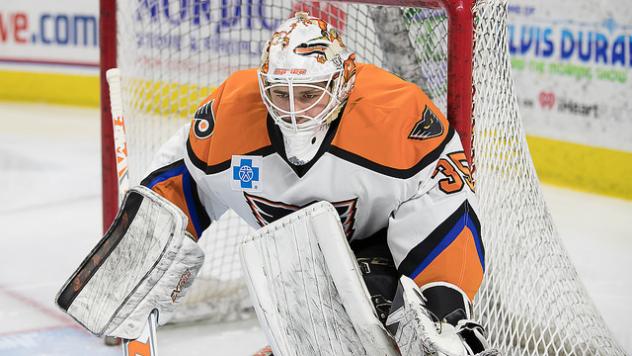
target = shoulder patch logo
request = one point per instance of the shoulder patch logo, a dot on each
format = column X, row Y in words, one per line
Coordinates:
column 246, row 173
column 428, row 127
column 204, row 121
column 267, row 211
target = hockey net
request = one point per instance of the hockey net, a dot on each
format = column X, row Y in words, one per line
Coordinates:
column 173, row 53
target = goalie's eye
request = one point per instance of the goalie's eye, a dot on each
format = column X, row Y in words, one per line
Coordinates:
column 279, row 94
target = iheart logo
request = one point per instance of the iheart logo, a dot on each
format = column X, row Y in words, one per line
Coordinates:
column 547, row 99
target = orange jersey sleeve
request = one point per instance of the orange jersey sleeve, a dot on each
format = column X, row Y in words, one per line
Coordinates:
column 436, row 234
column 392, row 127
column 174, row 182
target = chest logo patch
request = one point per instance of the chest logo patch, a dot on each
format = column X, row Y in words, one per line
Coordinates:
column 267, row 211
column 246, row 173
column 428, row 127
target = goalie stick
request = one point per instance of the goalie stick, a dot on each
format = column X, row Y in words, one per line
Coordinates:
column 120, row 140
column 145, row 345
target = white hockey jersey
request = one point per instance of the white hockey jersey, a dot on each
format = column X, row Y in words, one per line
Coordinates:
column 390, row 161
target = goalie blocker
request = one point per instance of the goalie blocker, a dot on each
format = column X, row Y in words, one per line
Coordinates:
column 145, row 262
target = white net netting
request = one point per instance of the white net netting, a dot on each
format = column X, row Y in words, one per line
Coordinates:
column 173, row 53
column 532, row 300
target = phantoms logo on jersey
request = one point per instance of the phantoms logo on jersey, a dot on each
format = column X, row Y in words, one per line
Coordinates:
column 267, row 211
column 246, row 173
column 428, row 127
column 204, row 121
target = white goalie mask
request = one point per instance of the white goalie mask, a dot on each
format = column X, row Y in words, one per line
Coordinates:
column 305, row 77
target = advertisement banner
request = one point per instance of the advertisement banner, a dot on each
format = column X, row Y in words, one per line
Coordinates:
column 215, row 38
column 572, row 66
column 50, row 35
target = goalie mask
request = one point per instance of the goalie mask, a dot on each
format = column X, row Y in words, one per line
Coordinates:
column 305, row 77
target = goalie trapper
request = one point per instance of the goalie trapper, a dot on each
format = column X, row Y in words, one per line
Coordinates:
column 418, row 331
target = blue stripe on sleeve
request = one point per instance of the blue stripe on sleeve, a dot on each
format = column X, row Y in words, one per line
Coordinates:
column 168, row 174
column 477, row 241
column 188, row 197
column 464, row 221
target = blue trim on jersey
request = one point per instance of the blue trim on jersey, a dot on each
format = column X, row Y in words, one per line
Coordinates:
column 188, row 197
column 477, row 241
column 186, row 189
column 168, row 174
column 463, row 222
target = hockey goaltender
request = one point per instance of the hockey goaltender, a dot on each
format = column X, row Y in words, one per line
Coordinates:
column 368, row 240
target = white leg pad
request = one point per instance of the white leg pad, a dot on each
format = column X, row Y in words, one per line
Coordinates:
column 307, row 288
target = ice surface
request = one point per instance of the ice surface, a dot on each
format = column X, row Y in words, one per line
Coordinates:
column 50, row 217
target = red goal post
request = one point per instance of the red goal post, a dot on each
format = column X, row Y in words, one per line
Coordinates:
column 108, row 53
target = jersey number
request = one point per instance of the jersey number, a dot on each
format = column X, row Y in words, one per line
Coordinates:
column 456, row 171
